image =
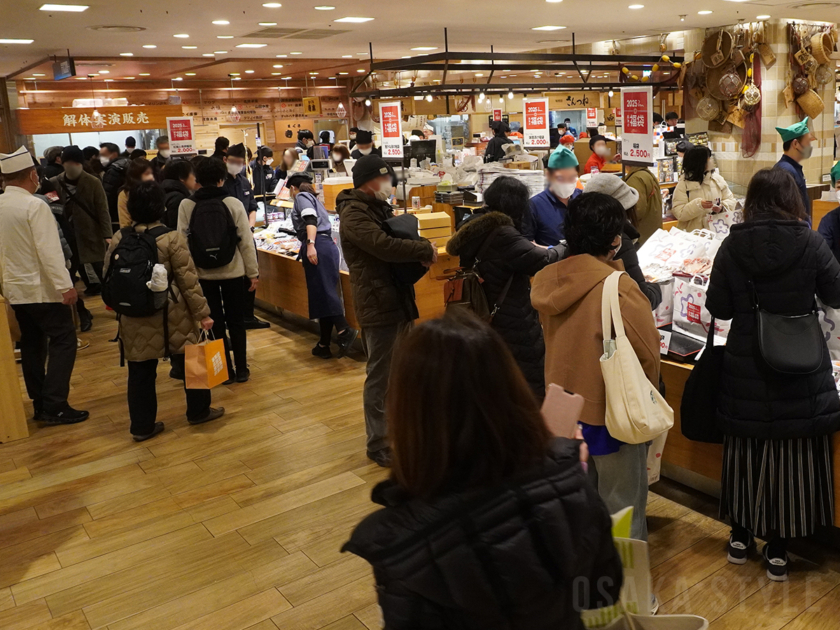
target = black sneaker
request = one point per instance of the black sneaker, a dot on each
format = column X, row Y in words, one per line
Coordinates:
column 68, row 415
column 346, row 341
column 322, row 351
column 777, row 567
column 243, row 375
column 382, row 457
column 85, row 320
column 738, row 550
column 210, row 414
column 256, row 324
column 178, row 375
column 156, row 431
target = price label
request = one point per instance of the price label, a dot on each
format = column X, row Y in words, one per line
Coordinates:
column 664, row 342
column 536, row 123
column 392, row 141
column 637, row 125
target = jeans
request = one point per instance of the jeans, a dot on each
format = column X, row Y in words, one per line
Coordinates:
column 47, row 332
column 621, row 480
column 379, row 341
column 142, row 397
column 226, row 302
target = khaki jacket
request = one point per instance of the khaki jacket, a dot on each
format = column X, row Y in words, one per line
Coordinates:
column 686, row 206
column 567, row 296
column 142, row 337
column 649, row 206
column 369, row 253
column 92, row 226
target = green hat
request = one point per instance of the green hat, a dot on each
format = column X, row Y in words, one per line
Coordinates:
column 794, row 131
column 835, row 173
column 562, row 157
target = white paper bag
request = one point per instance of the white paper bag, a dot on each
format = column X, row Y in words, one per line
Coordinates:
column 830, row 322
column 721, row 222
column 664, row 313
column 690, row 313
column 654, row 458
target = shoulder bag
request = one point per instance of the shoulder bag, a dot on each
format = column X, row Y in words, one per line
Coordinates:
column 698, row 410
column 636, row 411
column 789, row 344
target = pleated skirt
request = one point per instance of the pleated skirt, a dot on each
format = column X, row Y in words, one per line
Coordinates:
column 777, row 487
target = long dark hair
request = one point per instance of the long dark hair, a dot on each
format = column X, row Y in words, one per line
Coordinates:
column 508, row 196
column 773, row 194
column 460, row 413
column 134, row 173
column 593, row 220
column 694, row 163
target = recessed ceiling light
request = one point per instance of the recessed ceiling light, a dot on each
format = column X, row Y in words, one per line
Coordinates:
column 104, row 72
column 268, row 23
column 249, row 72
column 313, row 73
column 234, row 74
column 81, row 78
column 704, row 12
column 189, row 47
column 130, row 78
column 149, row 46
column 324, row 7
column 190, row 74
column 354, row 20
column 208, row 55
column 346, row 56
column 272, row 5
column 16, row 41
column 297, row 52
column 636, row 6
column 331, row 78
column 548, row 28
column 479, row 74
column 406, row 57
column 286, row 78
column 37, row 74
column 126, row 54
column 182, row 35
column 276, row 74
column 144, row 74
column 343, row 73
column 178, row 79
column 762, row 17
column 224, row 36
column 279, row 65
column 362, row 53
column 425, row 48
column 219, row 52
column 360, row 70
column 221, row 22
column 70, row 8
column 251, row 45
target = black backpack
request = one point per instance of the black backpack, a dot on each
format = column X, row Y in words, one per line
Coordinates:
column 124, row 288
column 212, row 234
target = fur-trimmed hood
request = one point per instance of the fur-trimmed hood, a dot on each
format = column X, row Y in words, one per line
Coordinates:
column 469, row 238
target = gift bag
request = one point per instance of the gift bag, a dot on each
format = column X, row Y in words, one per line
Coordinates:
column 664, row 313
column 205, row 365
column 830, row 323
column 690, row 313
column 654, row 458
column 721, row 222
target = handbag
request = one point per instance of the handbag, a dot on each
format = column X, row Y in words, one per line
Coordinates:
column 789, row 344
column 698, row 409
column 405, row 226
column 636, row 411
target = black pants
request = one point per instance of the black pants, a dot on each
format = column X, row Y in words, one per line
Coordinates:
column 47, row 332
column 225, row 299
column 327, row 323
column 248, row 303
column 142, row 397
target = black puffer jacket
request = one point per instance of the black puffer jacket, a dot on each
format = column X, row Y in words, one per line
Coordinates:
column 788, row 263
column 509, row 254
column 112, row 181
column 627, row 254
column 528, row 555
column 176, row 192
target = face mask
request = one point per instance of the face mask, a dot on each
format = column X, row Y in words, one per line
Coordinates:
column 602, row 151
column 234, row 169
column 807, row 151
column 310, row 144
column 352, row 136
column 337, row 158
column 269, row 161
column 384, row 192
column 561, row 190
column 104, row 160
column 164, row 153
column 366, row 151
column 72, row 171
column 37, row 183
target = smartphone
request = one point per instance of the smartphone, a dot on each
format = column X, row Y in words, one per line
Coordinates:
column 561, row 410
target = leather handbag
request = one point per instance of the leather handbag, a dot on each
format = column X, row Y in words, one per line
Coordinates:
column 698, row 409
column 789, row 344
column 636, row 411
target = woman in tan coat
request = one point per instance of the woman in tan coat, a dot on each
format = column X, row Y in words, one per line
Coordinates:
column 701, row 192
column 567, row 296
column 142, row 338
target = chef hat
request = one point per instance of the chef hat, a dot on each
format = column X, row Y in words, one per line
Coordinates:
column 15, row 162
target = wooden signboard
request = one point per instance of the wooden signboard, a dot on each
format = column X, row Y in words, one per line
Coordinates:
column 573, row 100
column 311, row 106
column 78, row 119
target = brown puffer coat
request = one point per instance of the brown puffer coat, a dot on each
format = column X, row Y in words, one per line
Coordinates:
column 369, row 252
column 142, row 337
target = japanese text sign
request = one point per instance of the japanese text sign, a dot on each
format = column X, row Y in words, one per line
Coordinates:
column 497, row 114
column 637, row 130
column 392, row 141
column 536, row 123
column 181, row 136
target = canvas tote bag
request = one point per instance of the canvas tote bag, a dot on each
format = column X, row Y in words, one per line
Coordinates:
column 636, row 411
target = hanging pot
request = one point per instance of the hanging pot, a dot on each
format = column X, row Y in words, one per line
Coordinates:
column 717, row 49
column 811, row 104
column 823, row 74
column 822, row 45
column 708, row 108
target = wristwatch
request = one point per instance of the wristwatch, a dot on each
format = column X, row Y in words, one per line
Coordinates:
column 309, row 241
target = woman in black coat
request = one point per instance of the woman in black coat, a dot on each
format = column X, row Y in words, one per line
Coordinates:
column 489, row 523
column 508, row 257
column 178, row 183
column 777, row 478
column 494, row 151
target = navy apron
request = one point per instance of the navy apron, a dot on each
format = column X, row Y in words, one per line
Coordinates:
column 322, row 279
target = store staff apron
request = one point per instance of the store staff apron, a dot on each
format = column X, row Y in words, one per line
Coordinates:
column 322, row 279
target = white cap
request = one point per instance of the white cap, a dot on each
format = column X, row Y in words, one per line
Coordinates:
column 15, row 162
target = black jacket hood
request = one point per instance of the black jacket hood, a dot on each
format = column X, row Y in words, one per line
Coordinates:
column 769, row 246
column 471, row 235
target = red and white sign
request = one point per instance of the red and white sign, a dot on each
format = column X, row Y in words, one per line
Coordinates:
column 181, row 135
column 637, row 126
column 591, row 117
column 497, row 114
column 536, row 123
column 618, row 120
column 392, row 139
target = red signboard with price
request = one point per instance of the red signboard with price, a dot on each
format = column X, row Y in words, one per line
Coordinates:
column 497, row 114
column 536, row 123
column 181, row 135
column 392, row 140
column 637, row 126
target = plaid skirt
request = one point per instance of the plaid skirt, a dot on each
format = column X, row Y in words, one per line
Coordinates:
column 779, row 487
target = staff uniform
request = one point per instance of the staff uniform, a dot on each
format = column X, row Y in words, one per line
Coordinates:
column 795, row 169
column 547, row 221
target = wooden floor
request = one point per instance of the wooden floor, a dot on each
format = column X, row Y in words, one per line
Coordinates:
column 238, row 524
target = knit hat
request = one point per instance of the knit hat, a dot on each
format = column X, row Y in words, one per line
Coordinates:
column 568, row 139
column 369, row 167
column 562, row 157
column 72, row 154
column 615, row 187
column 835, row 174
column 794, row 131
column 364, row 137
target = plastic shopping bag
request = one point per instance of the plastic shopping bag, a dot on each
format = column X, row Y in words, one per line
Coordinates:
column 654, row 458
column 205, row 365
column 690, row 313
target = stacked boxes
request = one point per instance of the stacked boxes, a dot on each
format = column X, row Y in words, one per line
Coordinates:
column 435, row 226
column 332, row 187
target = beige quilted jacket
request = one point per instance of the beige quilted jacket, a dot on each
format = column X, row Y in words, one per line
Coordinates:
column 142, row 337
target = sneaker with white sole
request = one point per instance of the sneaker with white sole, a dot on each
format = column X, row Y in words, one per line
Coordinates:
column 777, row 567
column 738, row 550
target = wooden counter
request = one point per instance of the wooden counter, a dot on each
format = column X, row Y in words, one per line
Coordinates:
column 12, row 418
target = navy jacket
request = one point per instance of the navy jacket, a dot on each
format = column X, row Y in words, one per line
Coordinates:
column 795, row 169
column 240, row 188
column 830, row 230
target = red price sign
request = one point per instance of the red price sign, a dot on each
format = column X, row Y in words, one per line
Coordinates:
column 390, row 121
column 536, row 123
column 180, row 130
column 636, row 113
column 497, row 114
column 536, row 115
column 392, row 141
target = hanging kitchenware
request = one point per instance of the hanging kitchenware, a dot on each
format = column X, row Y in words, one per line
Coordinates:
column 811, row 104
column 752, row 95
column 717, row 49
column 726, row 81
column 822, row 45
column 800, row 85
column 708, row 108
column 823, row 75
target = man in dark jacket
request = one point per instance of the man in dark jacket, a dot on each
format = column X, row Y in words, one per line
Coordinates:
column 364, row 145
column 179, row 184
column 162, row 157
column 53, row 158
column 113, row 178
column 263, row 174
column 384, row 308
column 796, row 143
column 305, row 141
column 829, row 226
column 130, row 146
column 220, row 148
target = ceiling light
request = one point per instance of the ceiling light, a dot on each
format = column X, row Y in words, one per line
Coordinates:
column 425, row 48
column 554, row 1
column 704, row 13
column 104, row 72
column 129, row 78
column 221, row 22
column 510, row 95
column 249, row 72
column 480, row 97
column 36, row 74
column 324, row 7
column 189, row 47
column 208, row 54
column 313, row 73
column 479, row 74
column 190, row 74
column 16, row 41
column 279, row 65
column 610, row 93
column 367, row 102
column 296, row 52
column 636, row 6
column 343, row 73
column 178, row 79
column 346, row 56
column 354, row 20
column 234, row 74
column 237, row 78
column 69, row 8
column 762, row 17
column 429, row 97
column 501, row 99
column 182, row 35
column 126, row 54
column 286, row 78
column 251, row 45
column 268, row 23
column 224, row 36
column 331, row 78
column 548, row 28
column 276, row 74
column 144, row 74
column 360, row 70
column 272, row 5
column 149, row 46
column 219, row 52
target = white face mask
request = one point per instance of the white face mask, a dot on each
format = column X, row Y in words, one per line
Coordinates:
column 310, row 144
column 165, row 153
column 269, row 161
column 384, row 192
column 337, row 158
column 366, row 151
column 234, row 169
column 561, row 190
column 352, row 136
column 104, row 160
column 72, row 171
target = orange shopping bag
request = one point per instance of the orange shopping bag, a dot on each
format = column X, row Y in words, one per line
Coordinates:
column 204, row 363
